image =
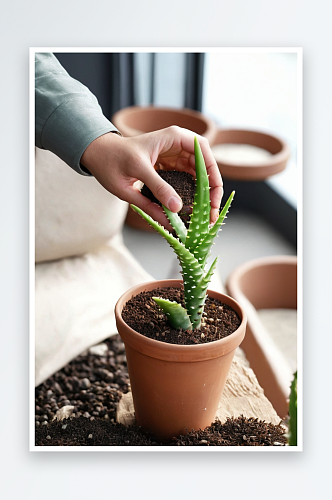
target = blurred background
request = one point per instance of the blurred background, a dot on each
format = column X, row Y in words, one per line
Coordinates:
column 249, row 89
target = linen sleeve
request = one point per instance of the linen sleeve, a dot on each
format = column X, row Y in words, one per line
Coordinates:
column 67, row 115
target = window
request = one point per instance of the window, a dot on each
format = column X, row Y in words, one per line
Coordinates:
column 257, row 89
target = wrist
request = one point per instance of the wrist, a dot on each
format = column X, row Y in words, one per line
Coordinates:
column 98, row 149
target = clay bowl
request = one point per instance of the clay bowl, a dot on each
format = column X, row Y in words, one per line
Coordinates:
column 266, row 283
column 251, row 169
column 136, row 120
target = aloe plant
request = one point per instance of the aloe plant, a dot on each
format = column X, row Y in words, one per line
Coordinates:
column 192, row 247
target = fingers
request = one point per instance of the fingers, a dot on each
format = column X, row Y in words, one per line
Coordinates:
column 215, row 198
column 174, row 149
column 186, row 138
column 162, row 190
column 135, row 197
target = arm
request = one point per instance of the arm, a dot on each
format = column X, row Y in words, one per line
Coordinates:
column 70, row 123
column 68, row 116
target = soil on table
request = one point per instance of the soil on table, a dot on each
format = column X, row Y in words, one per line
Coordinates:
column 143, row 315
column 184, row 184
column 234, row 432
column 92, row 384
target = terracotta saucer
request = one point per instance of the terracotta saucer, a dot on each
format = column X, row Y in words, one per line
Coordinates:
column 266, row 283
column 250, row 165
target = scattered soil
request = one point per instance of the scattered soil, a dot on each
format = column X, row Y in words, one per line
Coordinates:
column 240, row 431
column 234, row 432
column 183, row 183
column 143, row 315
column 93, row 383
column 86, row 432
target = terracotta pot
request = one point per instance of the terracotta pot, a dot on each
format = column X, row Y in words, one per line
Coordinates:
column 266, row 283
column 176, row 387
column 136, row 120
column 272, row 165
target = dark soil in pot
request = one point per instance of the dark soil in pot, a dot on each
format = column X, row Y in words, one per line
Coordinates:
column 93, row 384
column 143, row 315
column 183, row 183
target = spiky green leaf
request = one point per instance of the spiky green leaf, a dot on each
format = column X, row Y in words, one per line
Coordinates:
column 191, row 270
column 201, row 288
column 177, row 224
column 181, row 251
column 201, row 252
column 200, row 217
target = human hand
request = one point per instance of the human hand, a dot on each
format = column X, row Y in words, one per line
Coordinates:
column 119, row 163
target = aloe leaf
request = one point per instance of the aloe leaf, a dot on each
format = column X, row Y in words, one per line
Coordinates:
column 191, row 269
column 200, row 217
column 177, row 315
column 201, row 293
column 207, row 278
column 177, row 224
column 201, row 252
column 181, row 251
column 192, row 275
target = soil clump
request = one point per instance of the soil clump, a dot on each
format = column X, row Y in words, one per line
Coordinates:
column 184, row 184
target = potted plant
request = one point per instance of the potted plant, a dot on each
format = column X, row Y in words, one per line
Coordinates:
column 179, row 361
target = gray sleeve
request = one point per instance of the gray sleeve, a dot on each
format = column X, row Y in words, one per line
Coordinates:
column 68, row 116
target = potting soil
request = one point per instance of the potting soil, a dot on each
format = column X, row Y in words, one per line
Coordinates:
column 143, row 315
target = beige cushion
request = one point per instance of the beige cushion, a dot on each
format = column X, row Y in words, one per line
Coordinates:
column 73, row 213
column 74, row 301
column 82, row 266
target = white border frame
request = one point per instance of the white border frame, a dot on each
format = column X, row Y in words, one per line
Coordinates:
column 32, row 447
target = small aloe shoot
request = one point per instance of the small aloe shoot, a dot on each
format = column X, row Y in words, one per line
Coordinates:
column 192, row 248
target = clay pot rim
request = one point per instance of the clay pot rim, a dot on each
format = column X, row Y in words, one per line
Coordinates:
column 211, row 127
column 175, row 352
column 233, row 280
column 241, row 171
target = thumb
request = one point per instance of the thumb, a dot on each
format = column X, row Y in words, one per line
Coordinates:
column 163, row 192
